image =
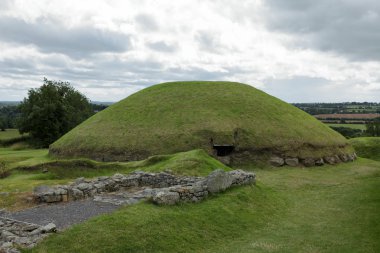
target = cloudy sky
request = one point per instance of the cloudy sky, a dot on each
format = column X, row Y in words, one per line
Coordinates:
column 297, row 50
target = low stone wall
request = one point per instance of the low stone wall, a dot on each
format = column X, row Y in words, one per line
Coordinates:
column 278, row 161
column 16, row 233
column 217, row 181
column 172, row 189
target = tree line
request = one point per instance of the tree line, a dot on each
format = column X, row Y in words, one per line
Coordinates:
column 48, row 112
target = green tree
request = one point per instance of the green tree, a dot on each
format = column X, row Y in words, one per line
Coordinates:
column 3, row 123
column 373, row 127
column 52, row 110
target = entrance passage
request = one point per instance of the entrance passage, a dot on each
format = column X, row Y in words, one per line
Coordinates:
column 223, row 150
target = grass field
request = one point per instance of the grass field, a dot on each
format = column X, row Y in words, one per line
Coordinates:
column 324, row 209
column 368, row 147
column 12, row 138
column 320, row 209
column 9, row 134
column 354, row 126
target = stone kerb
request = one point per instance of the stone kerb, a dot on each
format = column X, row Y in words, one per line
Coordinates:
column 171, row 188
column 278, row 161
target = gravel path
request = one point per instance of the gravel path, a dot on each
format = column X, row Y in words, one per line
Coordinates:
column 63, row 215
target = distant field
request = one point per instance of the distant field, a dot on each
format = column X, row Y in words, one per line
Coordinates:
column 348, row 116
column 353, row 126
column 10, row 134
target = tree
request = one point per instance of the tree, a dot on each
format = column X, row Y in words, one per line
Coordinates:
column 51, row 111
column 373, row 127
column 3, row 125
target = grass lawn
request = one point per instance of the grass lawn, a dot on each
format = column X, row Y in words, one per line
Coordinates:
column 321, row 209
column 14, row 158
column 354, row 126
column 9, row 134
column 368, row 147
column 12, row 138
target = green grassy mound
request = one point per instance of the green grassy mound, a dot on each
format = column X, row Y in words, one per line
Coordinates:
column 329, row 209
column 180, row 116
column 25, row 170
column 368, row 147
column 194, row 162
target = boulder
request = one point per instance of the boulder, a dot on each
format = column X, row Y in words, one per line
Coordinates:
column 344, row 158
column 319, row 162
column 51, row 198
column 276, row 161
column 330, row 159
column 308, row 162
column 351, row 157
column 79, row 180
column 218, row 181
column 292, row 161
column 240, row 177
column 84, row 186
column 41, row 189
column 76, row 194
column 49, row 228
column 166, row 198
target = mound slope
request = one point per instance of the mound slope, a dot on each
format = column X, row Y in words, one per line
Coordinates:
column 223, row 118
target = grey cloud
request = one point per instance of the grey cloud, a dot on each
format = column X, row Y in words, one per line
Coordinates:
column 350, row 28
column 5, row 4
column 162, row 46
column 208, row 41
column 303, row 89
column 146, row 22
column 51, row 36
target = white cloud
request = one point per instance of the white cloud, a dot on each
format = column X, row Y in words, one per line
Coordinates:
column 109, row 49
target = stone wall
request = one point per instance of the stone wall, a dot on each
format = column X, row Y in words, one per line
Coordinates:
column 16, row 233
column 278, row 161
column 168, row 188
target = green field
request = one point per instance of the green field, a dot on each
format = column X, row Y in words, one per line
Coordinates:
column 13, row 138
column 9, row 134
column 354, row 126
column 321, row 209
column 368, row 147
column 324, row 209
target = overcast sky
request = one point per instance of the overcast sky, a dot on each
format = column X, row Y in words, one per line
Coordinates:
column 297, row 50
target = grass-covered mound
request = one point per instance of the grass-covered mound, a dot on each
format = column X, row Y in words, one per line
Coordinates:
column 27, row 169
column 180, row 116
column 368, row 147
column 330, row 209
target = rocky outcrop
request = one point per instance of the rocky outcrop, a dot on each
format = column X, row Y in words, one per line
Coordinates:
column 164, row 188
column 278, row 161
column 15, row 233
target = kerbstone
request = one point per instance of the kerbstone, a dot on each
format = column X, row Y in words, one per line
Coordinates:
column 218, row 181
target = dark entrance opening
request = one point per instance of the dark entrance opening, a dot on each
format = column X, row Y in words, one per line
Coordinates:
column 223, row 150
